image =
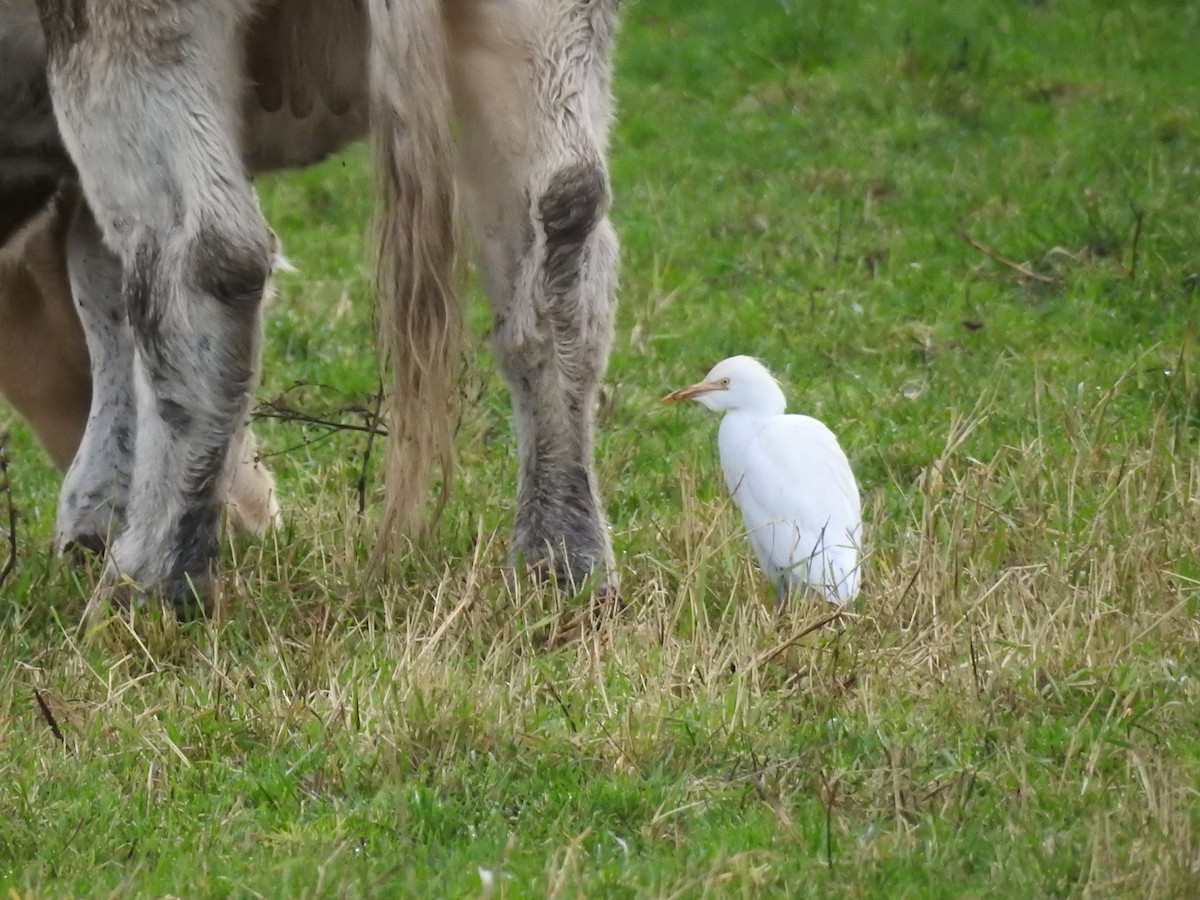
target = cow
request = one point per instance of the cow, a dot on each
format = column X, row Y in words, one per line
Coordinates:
column 163, row 109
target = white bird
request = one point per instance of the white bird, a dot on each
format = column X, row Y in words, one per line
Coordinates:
column 789, row 477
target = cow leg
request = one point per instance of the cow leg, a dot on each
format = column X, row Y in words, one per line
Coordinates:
column 94, row 495
column 531, row 92
column 148, row 99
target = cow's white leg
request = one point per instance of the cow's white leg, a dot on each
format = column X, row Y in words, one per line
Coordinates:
column 91, row 504
column 147, row 96
column 531, row 83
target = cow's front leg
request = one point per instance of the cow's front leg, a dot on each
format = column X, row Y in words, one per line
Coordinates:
column 147, row 97
column 95, row 491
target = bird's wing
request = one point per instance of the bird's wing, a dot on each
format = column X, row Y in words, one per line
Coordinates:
column 798, row 496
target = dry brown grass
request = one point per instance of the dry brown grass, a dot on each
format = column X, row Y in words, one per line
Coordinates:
column 1021, row 663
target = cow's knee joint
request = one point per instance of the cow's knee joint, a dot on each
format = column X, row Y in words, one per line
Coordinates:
column 231, row 265
column 574, row 200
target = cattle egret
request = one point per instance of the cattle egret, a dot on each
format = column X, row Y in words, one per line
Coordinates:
column 789, row 477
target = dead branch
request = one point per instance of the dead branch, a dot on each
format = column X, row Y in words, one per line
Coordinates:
column 372, row 426
column 1139, row 216
column 768, row 655
column 995, row 255
column 274, row 409
column 6, row 490
column 49, row 717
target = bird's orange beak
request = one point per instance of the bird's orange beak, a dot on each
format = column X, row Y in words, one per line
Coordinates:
column 692, row 390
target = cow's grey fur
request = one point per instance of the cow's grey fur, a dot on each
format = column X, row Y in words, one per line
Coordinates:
column 533, row 166
column 45, row 365
column 161, row 108
column 145, row 96
column 92, row 502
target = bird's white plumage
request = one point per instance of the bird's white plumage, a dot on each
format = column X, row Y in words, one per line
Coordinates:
column 789, row 477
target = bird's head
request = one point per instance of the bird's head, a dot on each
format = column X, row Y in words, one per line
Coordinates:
column 737, row 384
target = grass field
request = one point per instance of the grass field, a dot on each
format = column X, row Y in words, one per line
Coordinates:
column 963, row 235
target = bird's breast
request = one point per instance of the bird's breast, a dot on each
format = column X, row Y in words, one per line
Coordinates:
column 736, row 438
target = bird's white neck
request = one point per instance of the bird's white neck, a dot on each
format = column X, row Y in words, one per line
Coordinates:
column 767, row 401
column 737, row 424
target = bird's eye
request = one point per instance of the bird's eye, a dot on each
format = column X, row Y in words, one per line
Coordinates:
column 724, row 382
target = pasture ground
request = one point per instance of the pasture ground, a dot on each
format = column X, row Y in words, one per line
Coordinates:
column 1012, row 708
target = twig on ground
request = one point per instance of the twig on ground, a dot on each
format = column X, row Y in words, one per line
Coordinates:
column 372, row 424
column 768, row 655
column 49, row 717
column 1139, row 217
column 272, row 410
column 995, row 255
column 331, row 420
column 281, row 409
column 6, row 489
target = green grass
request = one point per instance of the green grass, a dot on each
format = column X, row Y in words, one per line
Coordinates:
column 1013, row 707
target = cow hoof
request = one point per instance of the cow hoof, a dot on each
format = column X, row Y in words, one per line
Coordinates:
column 132, row 579
column 82, row 531
column 570, row 566
column 77, row 550
column 126, row 594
